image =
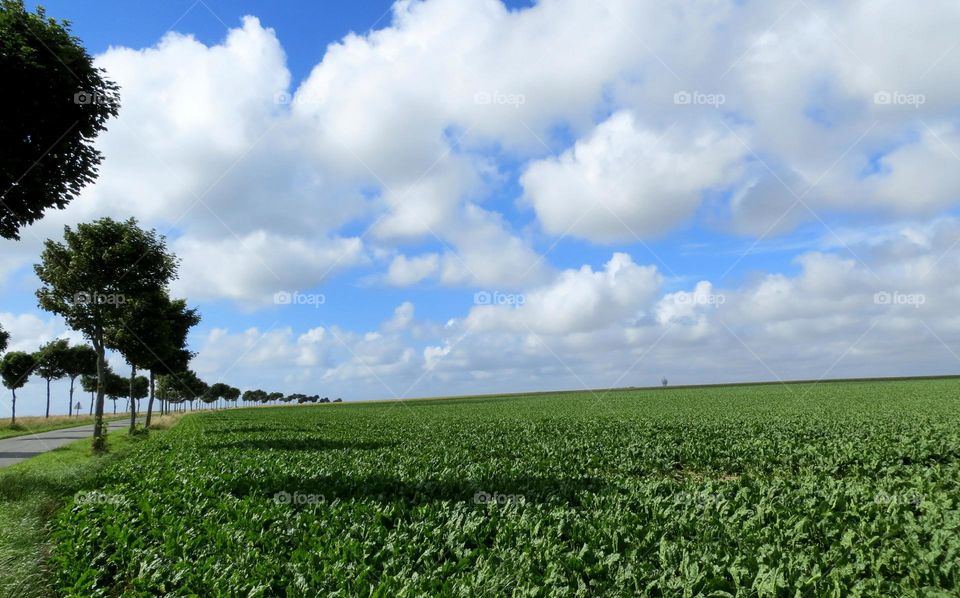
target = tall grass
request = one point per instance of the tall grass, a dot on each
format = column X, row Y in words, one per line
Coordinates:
column 31, row 493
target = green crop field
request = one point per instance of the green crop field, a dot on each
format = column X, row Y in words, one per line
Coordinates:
column 829, row 489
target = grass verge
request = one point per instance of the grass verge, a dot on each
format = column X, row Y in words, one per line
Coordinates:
column 32, row 425
column 31, row 493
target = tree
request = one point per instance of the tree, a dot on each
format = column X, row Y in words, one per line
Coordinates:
column 50, row 363
column 79, row 360
column 138, row 390
column 89, row 277
column 56, row 103
column 249, row 397
column 153, row 336
column 88, row 382
column 114, row 387
column 4, row 339
column 15, row 369
column 232, row 394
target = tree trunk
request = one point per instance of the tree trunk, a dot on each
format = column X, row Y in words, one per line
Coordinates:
column 70, row 406
column 133, row 401
column 13, row 407
column 150, row 403
column 99, row 430
column 48, row 398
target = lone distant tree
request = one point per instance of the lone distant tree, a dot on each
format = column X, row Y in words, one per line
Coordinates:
column 90, row 277
column 50, row 363
column 138, row 390
column 88, row 382
column 15, row 370
column 664, row 382
column 56, row 102
column 115, row 387
column 79, row 360
column 232, row 394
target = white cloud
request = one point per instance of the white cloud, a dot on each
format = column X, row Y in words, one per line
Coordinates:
column 408, row 271
column 576, row 301
column 29, row 331
column 923, row 176
column 252, row 268
column 625, row 181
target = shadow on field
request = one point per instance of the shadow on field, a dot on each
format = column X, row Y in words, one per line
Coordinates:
column 500, row 489
column 214, row 430
column 298, row 444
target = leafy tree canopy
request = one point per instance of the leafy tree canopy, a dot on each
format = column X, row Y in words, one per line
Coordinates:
column 51, row 359
column 100, row 266
column 15, row 369
column 80, row 360
column 55, row 104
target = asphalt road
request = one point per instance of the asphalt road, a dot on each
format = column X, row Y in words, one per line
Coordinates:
column 19, row 448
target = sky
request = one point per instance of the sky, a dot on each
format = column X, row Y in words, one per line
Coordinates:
column 385, row 200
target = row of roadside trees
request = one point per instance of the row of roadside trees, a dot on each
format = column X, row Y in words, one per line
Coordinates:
column 54, row 361
column 109, row 281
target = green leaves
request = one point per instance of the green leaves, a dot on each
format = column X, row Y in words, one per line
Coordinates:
column 828, row 489
column 57, row 102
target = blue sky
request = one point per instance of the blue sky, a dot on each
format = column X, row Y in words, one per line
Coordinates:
column 714, row 193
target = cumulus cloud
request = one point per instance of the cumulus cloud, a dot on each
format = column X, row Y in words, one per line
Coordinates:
column 626, row 181
column 407, row 271
column 576, row 301
column 252, row 268
column 921, row 176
